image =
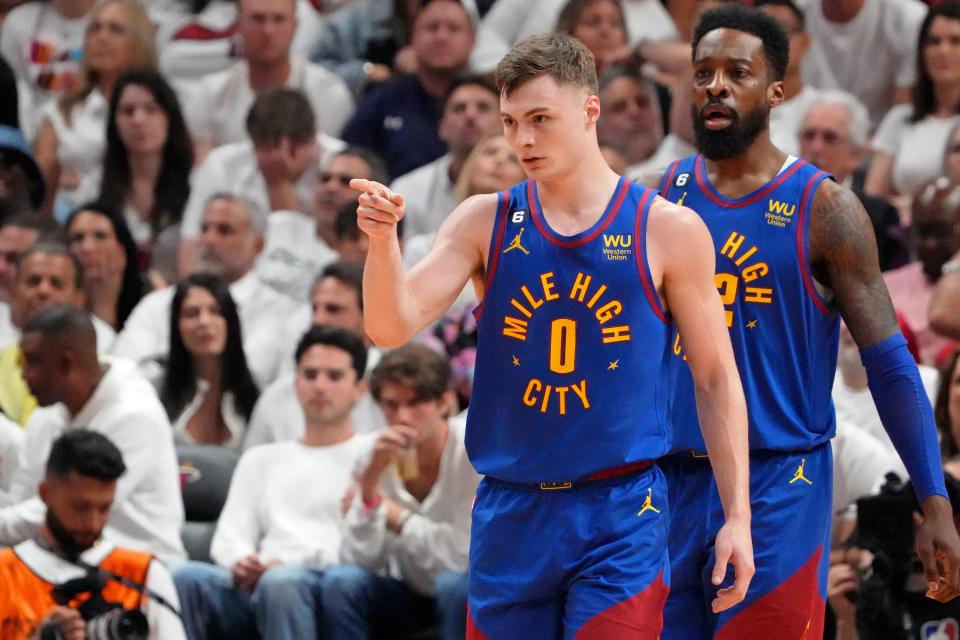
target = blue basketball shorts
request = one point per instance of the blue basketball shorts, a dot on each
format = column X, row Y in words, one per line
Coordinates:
column 791, row 499
column 588, row 563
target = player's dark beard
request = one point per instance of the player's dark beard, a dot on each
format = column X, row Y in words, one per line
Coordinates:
column 735, row 139
column 67, row 544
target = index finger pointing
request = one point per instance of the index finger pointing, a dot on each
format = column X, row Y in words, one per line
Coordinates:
column 371, row 186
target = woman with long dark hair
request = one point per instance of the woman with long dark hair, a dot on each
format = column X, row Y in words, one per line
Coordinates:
column 101, row 241
column 910, row 142
column 146, row 167
column 70, row 143
column 207, row 390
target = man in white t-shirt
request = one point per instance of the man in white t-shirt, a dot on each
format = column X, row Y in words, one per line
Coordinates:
column 277, row 168
column 866, row 47
column 231, row 240
column 630, row 120
column 43, row 44
column 407, row 528
column 77, row 390
column 336, row 300
column 470, row 113
column 298, row 245
column 217, row 104
column 280, row 526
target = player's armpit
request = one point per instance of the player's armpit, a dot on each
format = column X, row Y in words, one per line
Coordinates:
column 843, row 257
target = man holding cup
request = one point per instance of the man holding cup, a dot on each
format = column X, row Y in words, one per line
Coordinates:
column 410, row 514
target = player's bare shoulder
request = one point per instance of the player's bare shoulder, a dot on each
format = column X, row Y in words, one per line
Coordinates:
column 840, row 228
column 676, row 236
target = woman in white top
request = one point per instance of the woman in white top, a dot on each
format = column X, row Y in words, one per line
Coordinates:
column 909, row 144
column 71, row 138
column 207, row 389
column 100, row 240
column 147, row 162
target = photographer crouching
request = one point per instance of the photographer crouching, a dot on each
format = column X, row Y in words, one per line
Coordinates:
column 67, row 583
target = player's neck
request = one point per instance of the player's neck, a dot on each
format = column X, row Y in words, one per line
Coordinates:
column 585, row 189
column 759, row 164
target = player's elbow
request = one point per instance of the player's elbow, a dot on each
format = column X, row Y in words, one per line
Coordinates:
column 389, row 336
column 945, row 319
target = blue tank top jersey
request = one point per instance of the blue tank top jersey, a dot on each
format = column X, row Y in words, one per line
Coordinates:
column 573, row 345
column 784, row 333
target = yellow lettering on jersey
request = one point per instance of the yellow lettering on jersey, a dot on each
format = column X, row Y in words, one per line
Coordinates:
column 528, row 398
column 522, row 308
column 758, row 294
column 535, row 304
column 546, row 399
column 515, row 328
column 618, row 240
column 608, row 310
column 743, row 258
column 782, row 208
column 581, row 391
column 755, row 271
column 562, row 396
column 616, row 334
column 580, row 286
column 732, row 245
column 547, row 283
column 531, row 397
column 563, row 345
column 596, row 296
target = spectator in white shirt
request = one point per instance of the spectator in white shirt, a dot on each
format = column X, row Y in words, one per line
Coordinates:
column 337, row 300
column 866, row 47
column 78, row 489
column 218, row 102
column 47, row 274
column 408, row 525
column 208, row 391
column 17, row 234
column 43, row 44
column 277, row 168
column 298, row 246
column 910, row 142
column 72, row 136
column 470, row 113
column 631, row 121
column 76, row 390
column 280, row 527
column 232, row 238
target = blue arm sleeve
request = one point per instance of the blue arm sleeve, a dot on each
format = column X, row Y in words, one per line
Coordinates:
column 905, row 412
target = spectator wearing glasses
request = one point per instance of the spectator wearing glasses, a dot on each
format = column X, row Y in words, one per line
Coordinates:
column 298, row 245
column 833, row 136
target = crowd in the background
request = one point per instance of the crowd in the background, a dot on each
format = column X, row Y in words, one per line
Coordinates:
column 181, row 269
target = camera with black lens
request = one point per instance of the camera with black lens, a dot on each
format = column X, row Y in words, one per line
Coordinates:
column 104, row 620
column 891, row 600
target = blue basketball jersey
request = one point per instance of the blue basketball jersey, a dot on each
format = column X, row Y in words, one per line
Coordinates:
column 784, row 333
column 573, row 345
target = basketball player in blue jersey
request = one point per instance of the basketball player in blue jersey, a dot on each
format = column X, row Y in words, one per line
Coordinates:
column 582, row 276
column 794, row 252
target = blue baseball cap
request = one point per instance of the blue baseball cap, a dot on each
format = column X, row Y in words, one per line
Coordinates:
column 13, row 147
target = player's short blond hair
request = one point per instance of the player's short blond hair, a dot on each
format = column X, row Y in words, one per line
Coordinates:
column 558, row 55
